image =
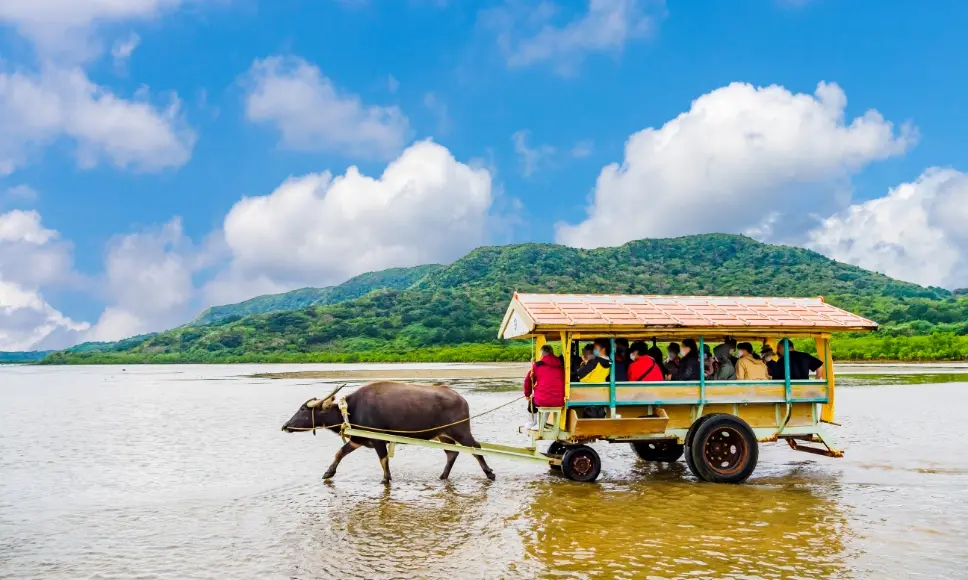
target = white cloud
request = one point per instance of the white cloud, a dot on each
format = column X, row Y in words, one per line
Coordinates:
column 31, row 256
column 738, row 155
column 27, row 322
column 531, row 159
column 312, row 115
column 318, row 229
column 528, row 35
column 917, row 232
column 124, row 48
column 36, row 110
column 63, row 29
column 392, row 84
column 148, row 277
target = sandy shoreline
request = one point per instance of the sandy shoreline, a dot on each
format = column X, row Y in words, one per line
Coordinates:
column 477, row 371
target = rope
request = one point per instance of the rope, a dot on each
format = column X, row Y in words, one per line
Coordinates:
column 346, row 424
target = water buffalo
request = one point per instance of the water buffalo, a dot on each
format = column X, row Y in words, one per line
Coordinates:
column 392, row 407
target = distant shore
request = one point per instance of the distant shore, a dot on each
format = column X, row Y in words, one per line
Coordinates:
column 458, row 371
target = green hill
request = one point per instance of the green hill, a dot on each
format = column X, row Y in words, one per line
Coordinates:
column 394, row 278
column 22, row 357
column 452, row 312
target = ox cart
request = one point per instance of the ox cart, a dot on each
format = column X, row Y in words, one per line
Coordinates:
column 716, row 425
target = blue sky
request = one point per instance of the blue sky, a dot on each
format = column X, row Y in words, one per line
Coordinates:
column 159, row 156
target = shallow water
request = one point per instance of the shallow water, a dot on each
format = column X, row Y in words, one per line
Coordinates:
column 182, row 472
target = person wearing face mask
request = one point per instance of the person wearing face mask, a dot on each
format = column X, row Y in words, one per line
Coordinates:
column 748, row 367
column 596, row 368
column 643, row 367
column 689, row 366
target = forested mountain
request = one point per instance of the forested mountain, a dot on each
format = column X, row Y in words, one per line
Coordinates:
column 453, row 312
column 394, row 278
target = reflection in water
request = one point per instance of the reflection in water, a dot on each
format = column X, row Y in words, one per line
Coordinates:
column 150, row 481
column 664, row 527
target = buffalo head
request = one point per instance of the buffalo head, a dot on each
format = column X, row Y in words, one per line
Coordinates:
column 315, row 414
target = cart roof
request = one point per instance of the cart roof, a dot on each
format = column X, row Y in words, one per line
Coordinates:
column 672, row 316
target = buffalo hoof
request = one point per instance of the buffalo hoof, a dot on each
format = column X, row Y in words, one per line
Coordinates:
column 329, row 475
column 490, row 475
column 444, row 476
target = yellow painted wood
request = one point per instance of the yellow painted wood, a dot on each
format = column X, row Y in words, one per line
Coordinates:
column 667, row 394
column 566, row 353
column 827, row 410
column 624, row 427
column 539, row 341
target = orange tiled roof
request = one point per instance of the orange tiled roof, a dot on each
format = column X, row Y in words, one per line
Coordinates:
column 685, row 311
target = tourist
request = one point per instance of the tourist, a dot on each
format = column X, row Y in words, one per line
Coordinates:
column 644, row 368
column 688, row 368
column 725, row 371
column 748, row 367
column 801, row 365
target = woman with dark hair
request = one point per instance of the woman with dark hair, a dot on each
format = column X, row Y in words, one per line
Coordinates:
column 656, row 353
column 689, row 366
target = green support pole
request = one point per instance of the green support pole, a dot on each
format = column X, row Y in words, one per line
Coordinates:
column 611, row 380
column 702, row 371
column 786, row 370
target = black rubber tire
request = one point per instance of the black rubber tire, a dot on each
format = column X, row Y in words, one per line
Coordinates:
column 581, row 463
column 556, row 448
column 724, row 450
column 662, row 450
column 690, row 434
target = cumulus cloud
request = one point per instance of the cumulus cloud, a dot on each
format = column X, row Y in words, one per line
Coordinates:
column 739, row 158
column 27, row 322
column 528, row 33
column 32, row 256
column 917, row 232
column 148, row 279
column 311, row 114
column 63, row 28
column 319, row 229
column 38, row 109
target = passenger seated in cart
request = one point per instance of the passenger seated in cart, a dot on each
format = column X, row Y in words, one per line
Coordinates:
column 748, row 367
column 595, row 369
column 656, row 353
column 724, row 369
column 801, row 365
column 643, row 368
column 769, row 359
column 544, row 385
column 621, row 360
column 672, row 362
column 688, row 369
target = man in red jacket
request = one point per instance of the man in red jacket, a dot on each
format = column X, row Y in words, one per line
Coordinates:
column 544, row 384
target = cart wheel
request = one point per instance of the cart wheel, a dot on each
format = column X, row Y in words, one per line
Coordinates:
column 724, row 450
column 665, row 450
column 556, row 448
column 581, row 463
column 690, row 435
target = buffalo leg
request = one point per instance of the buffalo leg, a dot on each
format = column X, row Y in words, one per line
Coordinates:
column 464, row 437
column 345, row 450
column 451, row 458
column 381, row 451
